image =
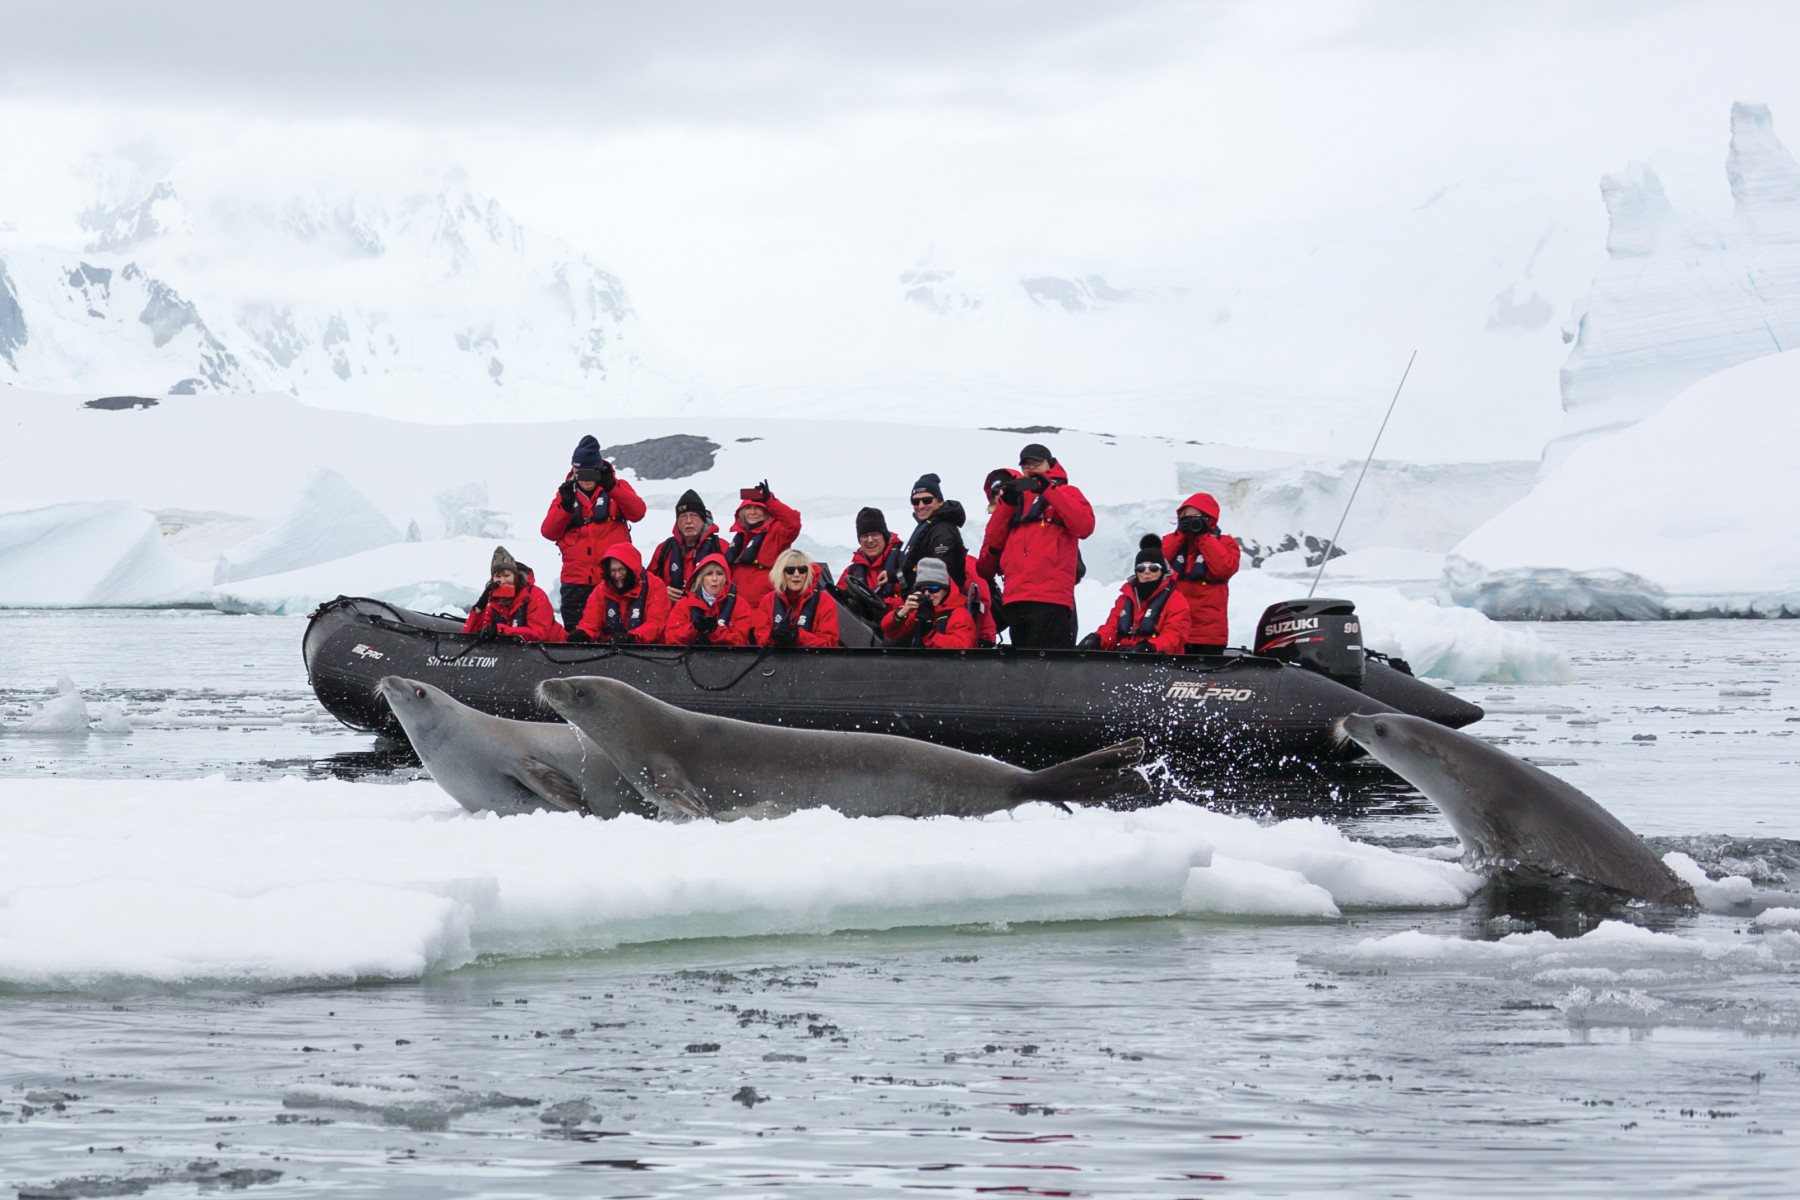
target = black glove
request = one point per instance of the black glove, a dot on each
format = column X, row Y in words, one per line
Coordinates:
column 1034, row 482
column 1009, row 492
column 608, row 476
column 1144, row 648
column 787, row 634
column 565, row 495
column 579, row 635
column 706, row 624
column 1090, row 642
column 488, row 634
column 763, row 494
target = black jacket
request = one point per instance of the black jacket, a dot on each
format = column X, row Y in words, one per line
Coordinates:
column 939, row 536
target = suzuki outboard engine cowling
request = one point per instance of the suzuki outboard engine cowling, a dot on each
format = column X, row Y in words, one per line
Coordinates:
column 1320, row 635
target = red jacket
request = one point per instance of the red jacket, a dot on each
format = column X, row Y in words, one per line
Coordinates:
column 1169, row 630
column 737, row 620
column 866, row 571
column 986, row 633
column 521, row 613
column 674, row 562
column 753, row 551
column 1201, row 563
column 639, row 614
column 582, row 537
column 819, row 629
column 953, row 629
column 1037, row 541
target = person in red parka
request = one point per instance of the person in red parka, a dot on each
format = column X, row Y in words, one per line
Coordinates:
column 934, row 615
column 1150, row 615
column 513, row 605
column 796, row 611
column 1036, row 528
column 591, row 512
column 1202, row 559
column 712, row 613
column 694, row 538
column 876, row 563
column 628, row 605
column 763, row 530
column 980, row 604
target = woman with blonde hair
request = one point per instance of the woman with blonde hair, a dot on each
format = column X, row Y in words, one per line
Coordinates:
column 797, row 612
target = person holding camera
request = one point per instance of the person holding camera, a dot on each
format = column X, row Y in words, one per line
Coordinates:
column 1202, row 561
column 762, row 532
column 694, row 539
column 934, row 615
column 512, row 605
column 711, row 613
column 1036, row 528
column 795, row 610
column 1150, row 615
column 627, row 605
column 591, row 513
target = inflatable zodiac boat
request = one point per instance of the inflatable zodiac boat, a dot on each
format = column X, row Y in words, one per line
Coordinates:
column 1203, row 713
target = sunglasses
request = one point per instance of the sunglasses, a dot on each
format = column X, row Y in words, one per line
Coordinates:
column 1151, row 567
column 918, row 500
column 932, row 587
column 795, row 570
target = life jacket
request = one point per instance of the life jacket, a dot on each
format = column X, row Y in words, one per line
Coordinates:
column 781, row 613
column 1187, row 562
column 726, row 608
column 591, row 514
column 623, row 614
column 746, row 545
column 919, row 630
column 1149, row 616
column 673, row 561
column 1033, row 514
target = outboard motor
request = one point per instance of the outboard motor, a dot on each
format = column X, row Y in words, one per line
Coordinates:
column 1320, row 635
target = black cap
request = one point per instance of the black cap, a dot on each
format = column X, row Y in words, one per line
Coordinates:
column 1150, row 551
column 870, row 520
column 587, row 453
column 691, row 502
column 928, row 482
column 1037, row 450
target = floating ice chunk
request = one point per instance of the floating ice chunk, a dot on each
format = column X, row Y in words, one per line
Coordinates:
column 1715, row 895
column 111, row 719
column 1777, row 918
column 1234, row 887
column 64, row 714
column 327, row 519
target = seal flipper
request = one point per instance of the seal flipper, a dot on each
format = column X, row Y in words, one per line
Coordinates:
column 1103, row 775
column 556, row 788
column 674, row 794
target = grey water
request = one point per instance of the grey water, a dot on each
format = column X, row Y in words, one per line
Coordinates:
column 1162, row 1058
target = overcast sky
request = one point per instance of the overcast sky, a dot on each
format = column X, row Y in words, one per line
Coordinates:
column 759, row 174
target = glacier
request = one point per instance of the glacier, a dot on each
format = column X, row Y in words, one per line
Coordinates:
column 1681, row 297
column 1687, row 513
column 326, row 519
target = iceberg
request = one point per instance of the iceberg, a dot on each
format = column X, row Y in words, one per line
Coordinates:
column 1688, row 513
column 328, row 519
column 1680, row 298
column 93, row 554
column 424, row 576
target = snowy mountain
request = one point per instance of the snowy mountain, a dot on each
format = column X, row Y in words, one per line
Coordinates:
column 436, row 306
column 1680, row 297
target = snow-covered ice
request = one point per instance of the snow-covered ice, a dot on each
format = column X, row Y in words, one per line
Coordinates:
column 424, row 576
column 209, row 879
column 1688, row 512
column 325, row 520
column 92, row 554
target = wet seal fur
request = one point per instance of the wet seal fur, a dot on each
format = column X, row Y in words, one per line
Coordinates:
column 490, row 764
column 691, row 765
column 1510, row 814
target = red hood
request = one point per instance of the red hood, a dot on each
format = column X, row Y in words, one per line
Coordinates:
column 626, row 553
column 1205, row 503
column 710, row 560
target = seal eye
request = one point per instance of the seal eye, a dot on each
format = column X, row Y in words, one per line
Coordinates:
column 419, row 692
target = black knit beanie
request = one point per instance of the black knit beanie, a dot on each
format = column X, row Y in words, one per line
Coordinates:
column 929, row 482
column 690, row 502
column 1150, row 551
column 870, row 520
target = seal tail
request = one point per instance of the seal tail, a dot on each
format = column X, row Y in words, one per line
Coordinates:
column 1103, row 775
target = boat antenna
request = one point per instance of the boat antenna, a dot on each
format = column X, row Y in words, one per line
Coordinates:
column 1365, row 470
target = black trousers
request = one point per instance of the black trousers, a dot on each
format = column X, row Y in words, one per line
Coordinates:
column 1197, row 648
column 1040, row 625
column 574, row 603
